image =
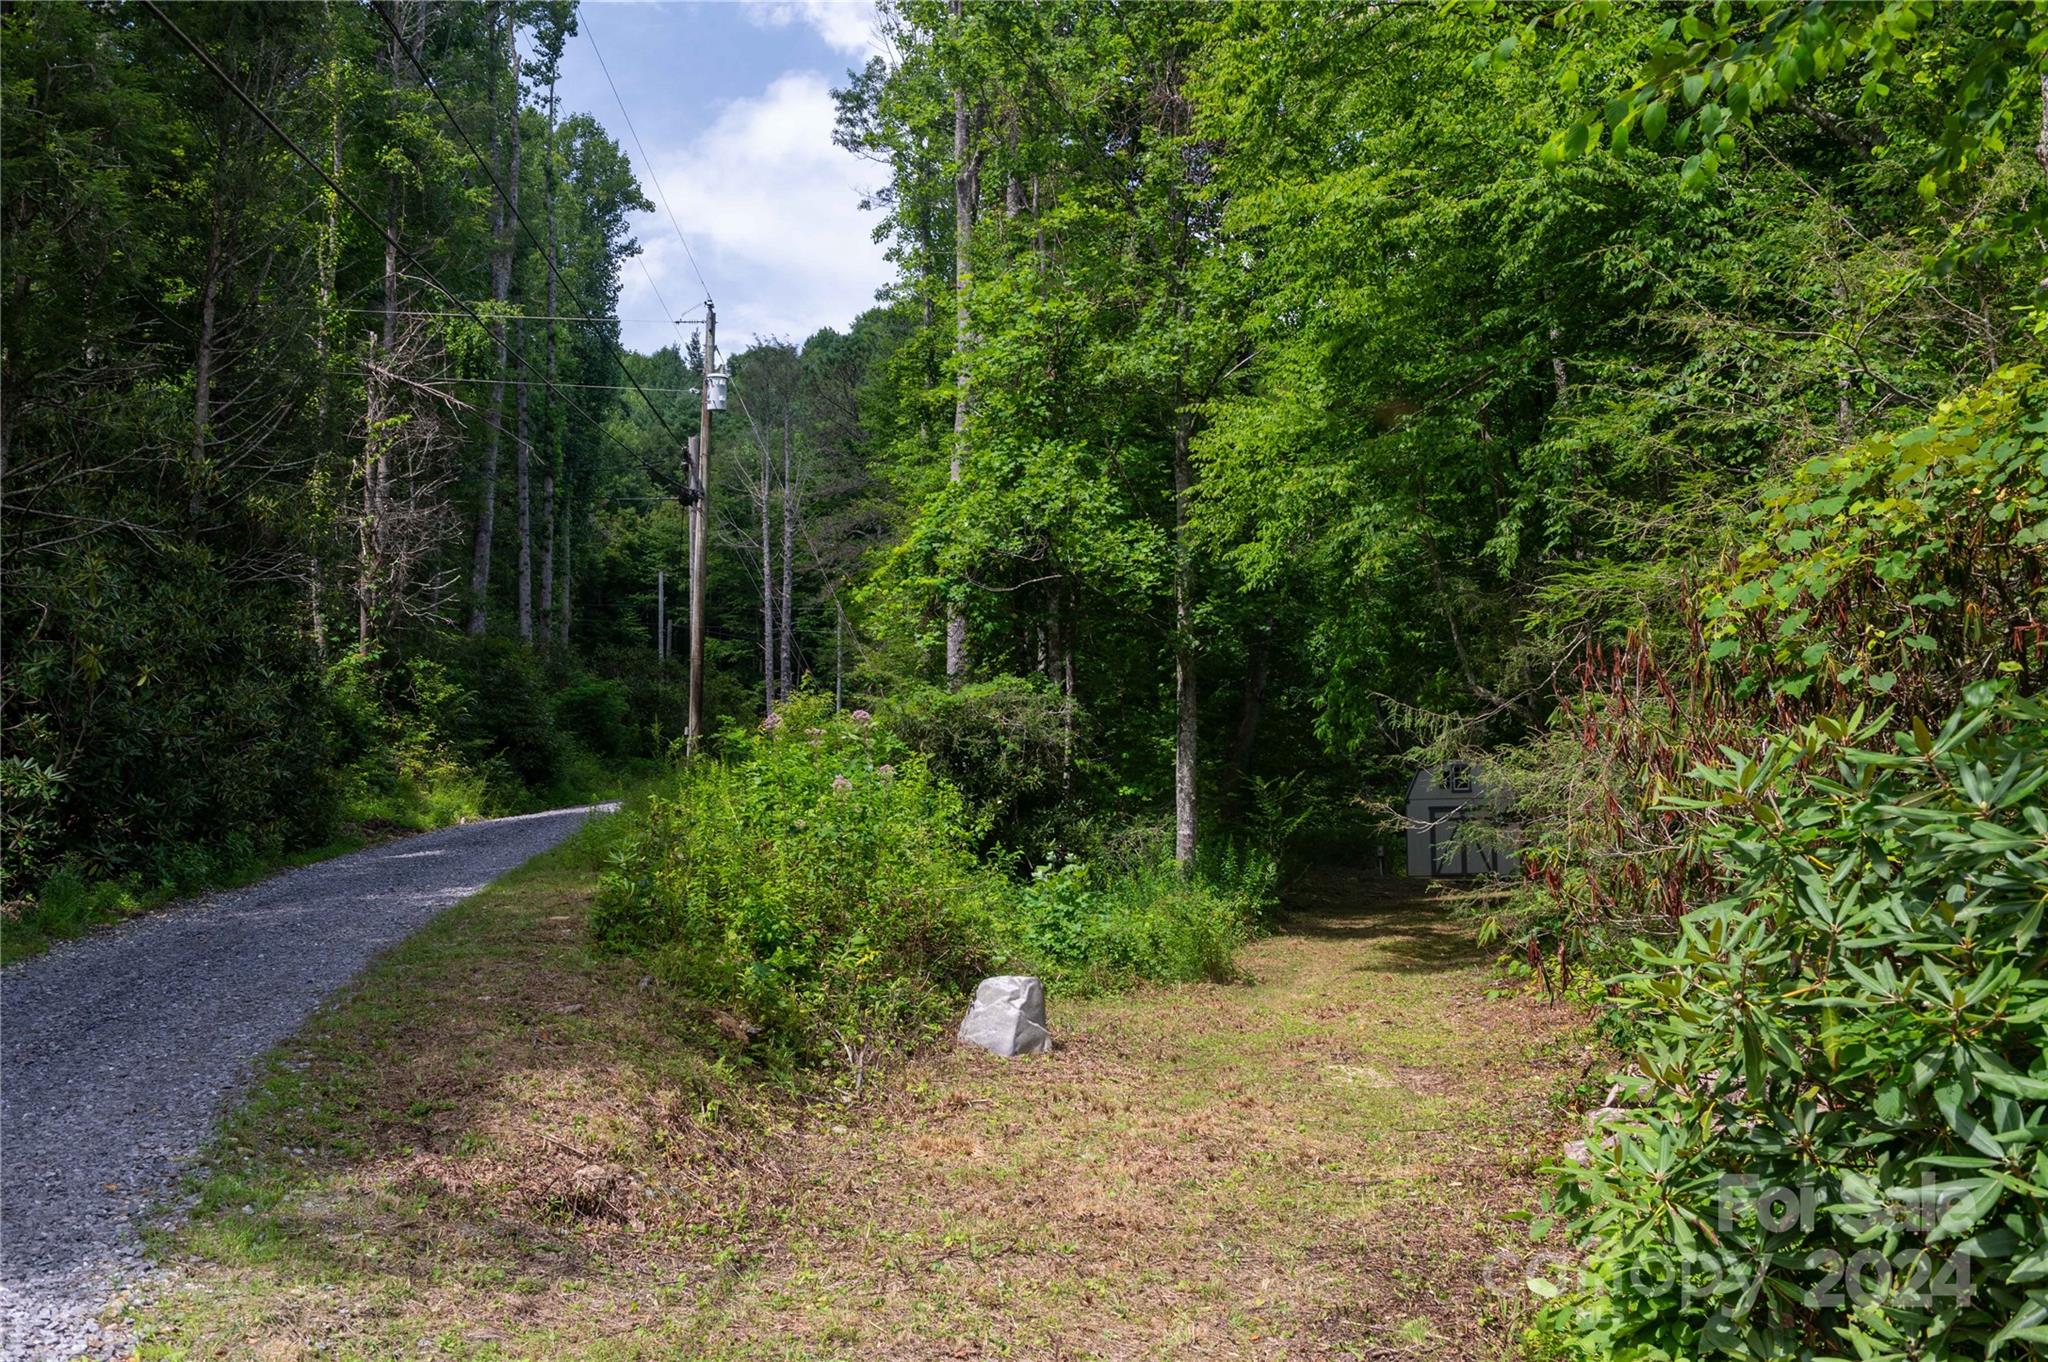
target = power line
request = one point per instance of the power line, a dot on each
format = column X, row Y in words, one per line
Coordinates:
column 531, row 316
column 347, row 365
column 584, row 22
column 547, row 256
column 382, row 231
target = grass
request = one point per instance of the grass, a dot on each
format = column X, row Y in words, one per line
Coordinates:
column 500, row 1144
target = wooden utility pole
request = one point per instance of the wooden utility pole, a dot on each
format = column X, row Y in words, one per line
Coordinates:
column 660, row 616
column 700, row 533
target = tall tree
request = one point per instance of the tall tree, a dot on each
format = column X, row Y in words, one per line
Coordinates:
column 504, row 140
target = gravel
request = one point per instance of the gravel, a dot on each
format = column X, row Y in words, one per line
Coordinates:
column 118, row 1052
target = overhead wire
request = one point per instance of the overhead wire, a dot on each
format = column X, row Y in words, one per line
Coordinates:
column 383, row 232
column 505, row 196
column 533, row 316
column 648, row 161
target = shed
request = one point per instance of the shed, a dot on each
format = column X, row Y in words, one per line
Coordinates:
column 1439, row 801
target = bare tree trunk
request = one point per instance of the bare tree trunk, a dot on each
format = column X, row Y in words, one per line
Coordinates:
column 1186, row 710
column 203, row 358
column 366, row 536
column 552, row 425
column 330, row 259
column 522, row 478
column 376, row 452
column 1067, row 648
column 547, row 554
column 1059, row 669
column 966, row 190
column 2041, row 144
column 786, row 646
column 769, row 668
column 501, row 290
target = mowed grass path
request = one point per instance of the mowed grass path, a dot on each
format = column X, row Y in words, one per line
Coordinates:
column 501, row 1146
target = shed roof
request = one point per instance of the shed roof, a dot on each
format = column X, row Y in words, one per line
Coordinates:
column 1452, row 780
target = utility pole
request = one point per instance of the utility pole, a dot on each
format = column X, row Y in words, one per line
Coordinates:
column 660, row 615
column 700, row 534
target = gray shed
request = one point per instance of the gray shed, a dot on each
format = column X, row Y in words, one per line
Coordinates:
column 1439, row 799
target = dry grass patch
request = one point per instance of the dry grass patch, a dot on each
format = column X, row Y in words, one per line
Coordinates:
column 515, row 1148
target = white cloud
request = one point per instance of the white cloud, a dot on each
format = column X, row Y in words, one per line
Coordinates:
column 772, row 211
column 849, row 26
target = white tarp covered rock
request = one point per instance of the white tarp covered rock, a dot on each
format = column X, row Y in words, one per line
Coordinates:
column 1008, row 1016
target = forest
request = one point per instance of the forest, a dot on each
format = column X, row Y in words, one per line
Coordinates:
column 1639, row 405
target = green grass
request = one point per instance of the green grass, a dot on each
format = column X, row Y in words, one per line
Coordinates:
column 1316, row 1159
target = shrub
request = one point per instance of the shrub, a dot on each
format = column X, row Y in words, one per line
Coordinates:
column 1086, row 930
column 29, row 796
column 820, row 883
column 1860, row 1022
column 1002, row 742
column 1905, row 566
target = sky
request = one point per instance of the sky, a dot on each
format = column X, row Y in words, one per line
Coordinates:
column 733, row 106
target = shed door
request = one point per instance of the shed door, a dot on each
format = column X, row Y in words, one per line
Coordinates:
column 1445, row 856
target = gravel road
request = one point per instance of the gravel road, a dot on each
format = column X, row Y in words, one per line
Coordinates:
column 118, row 1051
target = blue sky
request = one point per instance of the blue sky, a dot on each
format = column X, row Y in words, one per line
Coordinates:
column 733, row 104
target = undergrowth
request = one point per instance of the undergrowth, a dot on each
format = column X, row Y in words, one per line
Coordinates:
column 824, row 885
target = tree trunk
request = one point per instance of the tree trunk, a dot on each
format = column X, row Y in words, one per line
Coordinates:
column 376, row 454
column 1186, row 710
column 966, row 190
column 568, row 577
column 330, row 260
column 366, row 531
column 769, row 668
column 203, row 358
column 552, row 424
column 2041, row 143
column 786, row 644
column 501, row 290
column 522, row 462
column 547, row 554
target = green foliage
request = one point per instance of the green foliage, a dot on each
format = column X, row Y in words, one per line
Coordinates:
column 594, row 711
column 820, row 882
column 1087, row 930
column 1716, row 66
column 1004, row 743
column 1904, row 566
column 162, row 706
column 29, row 794
column 1862, row 1020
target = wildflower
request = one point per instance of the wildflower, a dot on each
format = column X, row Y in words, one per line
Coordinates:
column 860, row 716
column 840, row 784
column 886, row 771
column 771, row 723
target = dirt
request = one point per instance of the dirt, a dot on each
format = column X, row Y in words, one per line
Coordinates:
column 1322, row 1160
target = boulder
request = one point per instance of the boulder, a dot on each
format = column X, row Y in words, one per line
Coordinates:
column 1008, row 1017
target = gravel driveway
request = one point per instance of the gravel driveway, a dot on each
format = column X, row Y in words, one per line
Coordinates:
column 118, row 1051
